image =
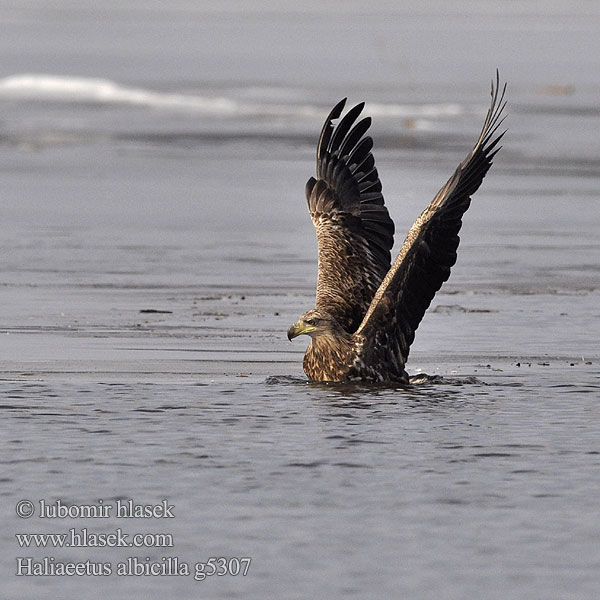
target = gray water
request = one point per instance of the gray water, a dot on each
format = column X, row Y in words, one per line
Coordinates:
column 156, row 246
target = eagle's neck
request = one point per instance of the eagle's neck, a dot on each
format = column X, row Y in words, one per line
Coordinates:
column 329, row 357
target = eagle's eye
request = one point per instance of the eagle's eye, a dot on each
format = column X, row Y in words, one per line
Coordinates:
column 310, row 322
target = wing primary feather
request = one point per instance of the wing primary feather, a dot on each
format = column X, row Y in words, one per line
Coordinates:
column 327, row 130
column 371, row 175
column 361, row 152
column 354, row 136
column 343, row 127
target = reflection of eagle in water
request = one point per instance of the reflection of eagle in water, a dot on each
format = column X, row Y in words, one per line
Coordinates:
column 367, row 310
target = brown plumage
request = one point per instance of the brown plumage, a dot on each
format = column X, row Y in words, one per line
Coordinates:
column 367, row 310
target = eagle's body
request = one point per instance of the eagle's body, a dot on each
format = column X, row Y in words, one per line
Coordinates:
column 367, row 309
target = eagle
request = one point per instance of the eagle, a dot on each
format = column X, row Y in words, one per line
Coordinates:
column 367, row 309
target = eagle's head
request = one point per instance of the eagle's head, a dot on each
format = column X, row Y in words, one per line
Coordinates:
column 314, row 323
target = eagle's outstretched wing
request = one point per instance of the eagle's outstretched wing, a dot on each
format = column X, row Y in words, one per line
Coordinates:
column 427, row 254
column 354, row 230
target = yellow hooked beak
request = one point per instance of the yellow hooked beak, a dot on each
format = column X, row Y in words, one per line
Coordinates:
column 298, row 329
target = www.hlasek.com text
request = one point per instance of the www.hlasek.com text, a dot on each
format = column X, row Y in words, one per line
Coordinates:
column 84, row 538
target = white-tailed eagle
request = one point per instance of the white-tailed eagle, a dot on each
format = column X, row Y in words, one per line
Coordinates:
column 367, row 309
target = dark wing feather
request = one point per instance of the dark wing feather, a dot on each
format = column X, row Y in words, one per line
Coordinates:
column 427, row 254
column 354, row 230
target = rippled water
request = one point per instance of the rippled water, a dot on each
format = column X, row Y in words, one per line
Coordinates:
column 361, row 492
column 156, row 247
